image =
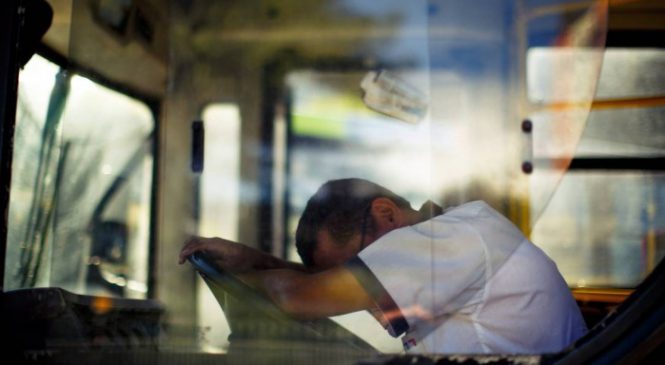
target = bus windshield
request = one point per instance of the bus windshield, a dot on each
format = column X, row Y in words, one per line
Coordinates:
column 144, row 125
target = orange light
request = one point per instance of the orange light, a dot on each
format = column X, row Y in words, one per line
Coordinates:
column 102, row 305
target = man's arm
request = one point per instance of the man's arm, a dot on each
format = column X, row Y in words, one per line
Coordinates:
column 294, row 289
column 312, row 295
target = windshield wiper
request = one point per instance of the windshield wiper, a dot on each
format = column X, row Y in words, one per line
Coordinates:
column 42, row 205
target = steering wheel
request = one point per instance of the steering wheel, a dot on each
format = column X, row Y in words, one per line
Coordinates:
column 253, row 317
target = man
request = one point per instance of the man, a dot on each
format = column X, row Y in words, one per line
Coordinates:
column 461, row 281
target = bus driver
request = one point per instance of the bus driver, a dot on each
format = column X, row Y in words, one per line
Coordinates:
column 463, row 280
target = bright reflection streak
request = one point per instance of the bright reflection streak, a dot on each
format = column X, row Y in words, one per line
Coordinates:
column 36, row 80
column 219, row 209
column 107, row 169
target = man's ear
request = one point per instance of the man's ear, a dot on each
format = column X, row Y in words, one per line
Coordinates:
column 387, row 215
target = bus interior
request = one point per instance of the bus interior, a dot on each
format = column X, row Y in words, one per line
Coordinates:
column 131, row 125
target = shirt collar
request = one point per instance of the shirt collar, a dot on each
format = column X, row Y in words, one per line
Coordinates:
column 430, row 209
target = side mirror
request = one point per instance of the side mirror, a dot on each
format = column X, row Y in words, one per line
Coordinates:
column 108, row 257
column 109, row 242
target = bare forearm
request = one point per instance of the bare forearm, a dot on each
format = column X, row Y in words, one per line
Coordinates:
column 307, row 296
column 289, row 285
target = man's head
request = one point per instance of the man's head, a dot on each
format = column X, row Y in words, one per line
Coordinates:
column 343, row 217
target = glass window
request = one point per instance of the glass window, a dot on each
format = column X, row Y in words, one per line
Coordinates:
column 219, row 202
column 427, row 98
column 634, row 132
column 632, row 73
column 605, row 229
column 604, row 224
column 80, row 202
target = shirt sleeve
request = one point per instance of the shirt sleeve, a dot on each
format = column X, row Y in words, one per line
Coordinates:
column 421, row 272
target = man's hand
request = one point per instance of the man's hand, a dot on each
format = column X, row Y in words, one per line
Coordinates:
column 228, row 255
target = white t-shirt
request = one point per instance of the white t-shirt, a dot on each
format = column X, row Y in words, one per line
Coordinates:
column 468, row 281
